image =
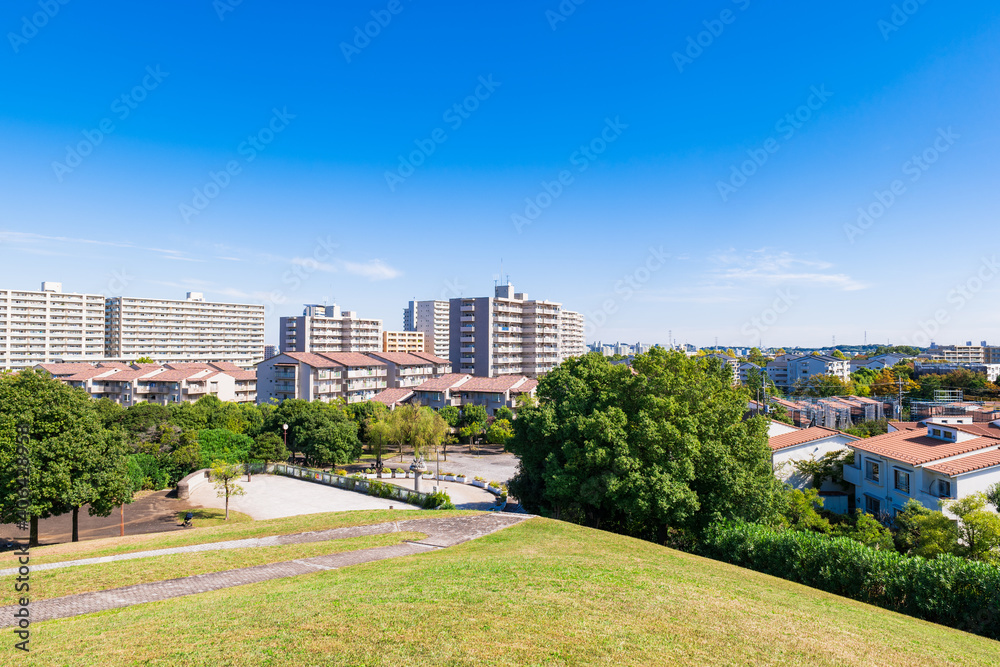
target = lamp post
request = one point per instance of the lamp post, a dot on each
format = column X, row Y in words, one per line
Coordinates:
column 284, row 428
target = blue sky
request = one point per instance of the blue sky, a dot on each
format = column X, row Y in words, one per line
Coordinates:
column 695, row 169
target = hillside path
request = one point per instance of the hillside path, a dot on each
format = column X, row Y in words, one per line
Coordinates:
column 441, row 533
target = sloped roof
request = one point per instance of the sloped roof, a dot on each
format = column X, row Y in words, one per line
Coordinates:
column 918, row 448
column 308, row 358
column 966, row 464
column 352, row 359
column 526, row 387
column 444, row 382
column 393, row 395
column 493, row 385
column 400, row 358
column 431, row 358
column 70, row 368
column 802, row 436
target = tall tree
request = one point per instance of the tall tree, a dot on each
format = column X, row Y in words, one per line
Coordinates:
column 224, row 476
column 661, row 445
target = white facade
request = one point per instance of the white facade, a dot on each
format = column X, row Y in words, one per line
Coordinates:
column 192, row 330
column 43, row 326
column 328, row 329
column 572, row 342
column 809, row 444
column 320, row 377
column 944, row 461
column 430, row 317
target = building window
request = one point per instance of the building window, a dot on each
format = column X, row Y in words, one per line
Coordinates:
column 872, row 471
column 873, row 505
column 941, row 488
column 902, row 481
column 937, row 432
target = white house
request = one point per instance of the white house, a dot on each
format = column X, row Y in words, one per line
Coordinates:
column 807, row 444
column 948, row 458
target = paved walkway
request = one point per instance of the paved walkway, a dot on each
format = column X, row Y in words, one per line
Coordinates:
column 277, row 496
column 441, row 533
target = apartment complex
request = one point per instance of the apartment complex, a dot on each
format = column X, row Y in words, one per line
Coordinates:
column 409, row 370
column 404, row 341
column 964, row 354
column 460, row 389
column 49, row 325
column 786, row 369
column 431, row 318
column 192, row 330
column 130, row 384
column 323, row 329
column 326, row 377
column 510, row 334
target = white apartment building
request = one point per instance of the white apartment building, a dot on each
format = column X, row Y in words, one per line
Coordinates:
column 786, row 370
column 192, row 330
column 432, row 318
column 49, row 325
column 508, row 334
column 323, row 329
column 411, row 370
column 572, row 341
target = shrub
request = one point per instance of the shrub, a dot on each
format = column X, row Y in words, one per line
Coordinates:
column 381, row 489
column 947, row 590
column 437, row 501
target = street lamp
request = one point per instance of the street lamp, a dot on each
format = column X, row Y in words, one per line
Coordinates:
column 285, row 429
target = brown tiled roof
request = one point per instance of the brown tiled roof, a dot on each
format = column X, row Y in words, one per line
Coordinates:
column 493, row 385
column 174, row 375
column 242, row 376
column 186, row 366
column 314, row 360
column 968, row 463
column 89, row 373
column 442, row 383
column 123, row 376
column 426, row 356
column 393, row 395
column 400, row 358
column 525, row 388
column 225, row 366
column 352, row 359
column 115, row 364
column 907, row 426
column 917, row 448
column 801, row 437
column 71, row 368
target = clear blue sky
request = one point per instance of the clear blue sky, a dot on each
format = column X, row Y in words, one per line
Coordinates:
column 778, row 255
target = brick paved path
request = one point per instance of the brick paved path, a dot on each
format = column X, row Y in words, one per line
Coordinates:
column 441, row 533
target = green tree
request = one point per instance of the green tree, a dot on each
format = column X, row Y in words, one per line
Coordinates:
column 325, row 434
column 799, row 511
column 499, row 432
column 225, row 475
column 365, row 413
column 268, row 448
column 73, row 459
column 978, row 529
column 505, row 413
column 222, row 444
column 993, row 495
column 837, row 354
column 644, row 449
column 822, row 386
column 474, row 421
column 451, row 415
column 380, row 436
column 144, row 360
column 868, row 531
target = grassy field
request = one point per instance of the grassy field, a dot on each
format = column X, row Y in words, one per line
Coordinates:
column 112, row 546
column 102, row 576
column 206, row 518
column 539, row 593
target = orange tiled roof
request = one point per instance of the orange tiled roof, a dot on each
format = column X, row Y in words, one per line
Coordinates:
column 314, row 360
column 968, row 463
column 493, row 385
column 442, row 383
column 802, row 436
column 917, row 448
column 525, row 388
column 426, row 356
column 400, row 358
column 352, row 359
column 393, row 395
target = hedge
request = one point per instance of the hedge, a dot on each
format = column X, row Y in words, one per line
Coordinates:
column 948, row 590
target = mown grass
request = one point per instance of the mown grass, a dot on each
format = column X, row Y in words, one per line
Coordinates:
column 207, row 517
column 539, row 593
column 47, row 584
column 112, row 546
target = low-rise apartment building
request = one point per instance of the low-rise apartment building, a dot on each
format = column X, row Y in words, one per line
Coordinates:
column 946, row 458
column 460, row 389
column 404, row 341
column 154, row 383
column 785, row 370
column 411, row 370
column 328, row 377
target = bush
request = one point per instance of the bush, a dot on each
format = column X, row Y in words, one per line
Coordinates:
column 437, row 501
column 947, row 590
column 381, row 489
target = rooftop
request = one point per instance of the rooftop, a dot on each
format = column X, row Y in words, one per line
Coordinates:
column 800, row 437
column 915, row 447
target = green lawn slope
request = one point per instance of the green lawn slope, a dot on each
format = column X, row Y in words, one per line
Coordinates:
column 539, row 593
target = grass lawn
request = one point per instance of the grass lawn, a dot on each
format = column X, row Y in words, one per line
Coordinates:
column 539, row 593
column 112, row 546
column 204, row 518
column 101, row 576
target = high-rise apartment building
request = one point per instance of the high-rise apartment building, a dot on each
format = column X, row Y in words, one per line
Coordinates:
column 430, row 317
column 510, row 334
column 49, row 325
column 572, row 340
column 192, row 330
column 328, row 329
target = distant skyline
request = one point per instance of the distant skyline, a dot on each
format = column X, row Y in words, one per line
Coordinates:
column 732, row 169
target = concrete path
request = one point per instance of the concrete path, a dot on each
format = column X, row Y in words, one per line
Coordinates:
column 441, row 533
column 276, row 496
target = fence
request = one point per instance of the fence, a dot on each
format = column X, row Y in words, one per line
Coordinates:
column 353, row 484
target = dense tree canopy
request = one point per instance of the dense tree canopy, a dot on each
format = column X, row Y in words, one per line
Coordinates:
column 640, row 450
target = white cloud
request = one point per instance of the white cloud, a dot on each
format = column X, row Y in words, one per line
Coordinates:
column 373, row 269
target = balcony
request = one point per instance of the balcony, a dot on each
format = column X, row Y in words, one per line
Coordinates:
column 852, row 475
column 468, row 339
column 468, row 318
